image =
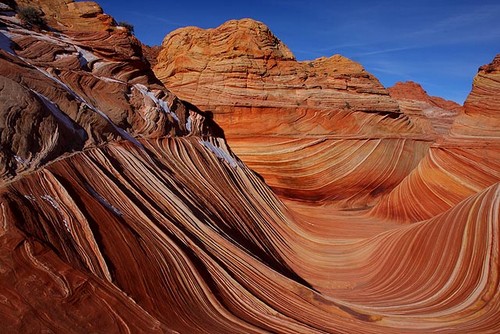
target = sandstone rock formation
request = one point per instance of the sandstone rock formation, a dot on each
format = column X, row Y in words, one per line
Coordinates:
column 461, row 164
column 435, row 114
column 241, row 71
column 70, row 15
column 123, row 209
column 151, row 53
column 111, row 216
column 295, row 123
column 66, row 92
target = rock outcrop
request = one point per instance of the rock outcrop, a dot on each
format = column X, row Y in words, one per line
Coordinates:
column 433, row 113
column 461, row 164
column 123, row 209
column 295, row 123
column 70, row 15
column 63, row 92
column 245, row 75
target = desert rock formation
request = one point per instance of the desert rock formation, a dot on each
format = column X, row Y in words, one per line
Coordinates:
column 63, row 92
column 124, row 210
column 435, row 114
column 240, row 71
column 460, row 164
column 69, row 15
column 295, row 123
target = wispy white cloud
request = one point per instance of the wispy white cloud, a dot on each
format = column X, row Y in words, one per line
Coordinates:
column 388, row 50
column 467, row 25
column 473, row 17
column 472, row 26
column 390, row 67
column 156, row 18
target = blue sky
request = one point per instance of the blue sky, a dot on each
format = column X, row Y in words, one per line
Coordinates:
column 439, row 44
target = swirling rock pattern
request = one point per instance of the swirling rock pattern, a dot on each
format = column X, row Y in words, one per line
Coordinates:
column 331, row 169
column 306, row 117
column 63, row 92
column 238, row 264
column 123, row 209
column 460, row 164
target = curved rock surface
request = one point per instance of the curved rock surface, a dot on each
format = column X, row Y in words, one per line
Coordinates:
column 481, row 118
column 241, row 263
column 305, row 116
column 64, row 92
column 461, row 164
column 123, row 209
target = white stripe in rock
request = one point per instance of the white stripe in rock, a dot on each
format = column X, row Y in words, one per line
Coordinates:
column 221, row 153
column 159, row 102
column 121, row 131
column 56, row 206
column 86, row 58
column 62, row 117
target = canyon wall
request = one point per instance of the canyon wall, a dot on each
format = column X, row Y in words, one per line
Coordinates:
column 313, row 129
column 123, row 208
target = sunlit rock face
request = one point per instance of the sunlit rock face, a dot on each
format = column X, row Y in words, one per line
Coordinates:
column 433, row 113
column 166, row 239
column 62, row 93
column 481, row 118
column 70, row 15
column 462, row 163
column 123, row 209
column 314, row 129
column 253, row 84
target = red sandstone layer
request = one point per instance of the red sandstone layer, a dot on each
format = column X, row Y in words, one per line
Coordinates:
column 298, row 124
column 122, row 209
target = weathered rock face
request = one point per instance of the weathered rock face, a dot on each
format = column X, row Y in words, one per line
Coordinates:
column 123, row 210
column 433, row 113
column 137, row 244
column 295, row 123
column 481, row 119
column 64, row 15
column 64, row 92
column 245, row 75
column 460, row 164
column 151, row 53
column 410, row 90
column 135, row 226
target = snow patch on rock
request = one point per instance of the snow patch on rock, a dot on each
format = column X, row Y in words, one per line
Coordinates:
column 158, row 102
column 62, row 117
column 221, row 153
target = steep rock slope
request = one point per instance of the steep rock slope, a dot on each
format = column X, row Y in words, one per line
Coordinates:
column 62, row 92
column 143, row 220
column 434, row 113
column 298, row 124
column 461, row 164
column 135, row 226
